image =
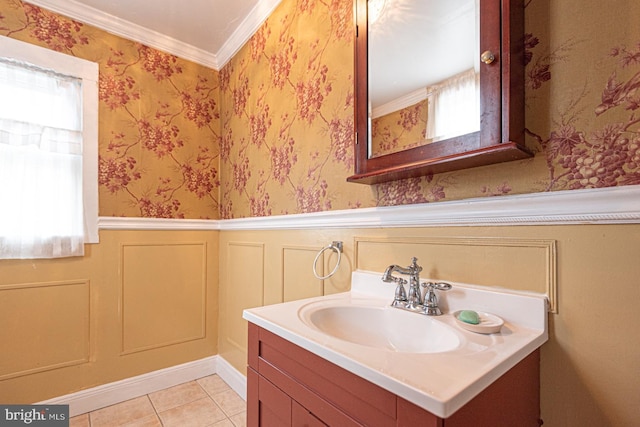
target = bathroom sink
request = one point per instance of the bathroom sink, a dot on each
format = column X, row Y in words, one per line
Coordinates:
column 382, row 328
column 427, row 360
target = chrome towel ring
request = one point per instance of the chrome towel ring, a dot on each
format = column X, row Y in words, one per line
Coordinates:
column 334, row 246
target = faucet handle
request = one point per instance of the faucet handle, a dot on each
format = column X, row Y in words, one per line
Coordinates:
column 400, row 296
column 441, row 286
column 430, row 306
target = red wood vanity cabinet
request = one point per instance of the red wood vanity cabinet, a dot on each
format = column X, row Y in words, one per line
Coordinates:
column 290, row 386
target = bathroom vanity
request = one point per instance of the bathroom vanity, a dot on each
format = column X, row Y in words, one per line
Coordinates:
column 289, row 386
column 305, row 370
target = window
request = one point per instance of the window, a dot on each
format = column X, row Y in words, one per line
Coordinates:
column 48, row 152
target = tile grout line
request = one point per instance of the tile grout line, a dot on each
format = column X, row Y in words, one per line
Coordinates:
column 207, row 395
column 155, row 410
column 211, row 396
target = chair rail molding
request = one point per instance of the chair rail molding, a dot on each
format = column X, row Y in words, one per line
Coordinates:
column 612, row 205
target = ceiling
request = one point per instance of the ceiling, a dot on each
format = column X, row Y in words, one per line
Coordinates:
column 207, row 31
column 210, row 32
column 418, row 43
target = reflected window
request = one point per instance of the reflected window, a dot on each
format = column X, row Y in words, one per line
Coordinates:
column 454, row 106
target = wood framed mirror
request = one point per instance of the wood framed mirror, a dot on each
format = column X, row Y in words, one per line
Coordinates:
column 496, row 61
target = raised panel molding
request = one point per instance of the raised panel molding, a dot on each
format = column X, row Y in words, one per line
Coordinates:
column 163, row 294
column 245, row 270
column 45, row 326
column 298, row 281
column 510, row 263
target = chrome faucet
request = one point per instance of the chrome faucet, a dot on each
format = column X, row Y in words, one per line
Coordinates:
column 400, row 297
column 430, row 306
column 414, row 301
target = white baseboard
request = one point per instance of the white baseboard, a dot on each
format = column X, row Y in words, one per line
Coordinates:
column 233, row 377
column 109, row 394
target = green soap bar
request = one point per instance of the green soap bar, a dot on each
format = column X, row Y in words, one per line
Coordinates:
column 469, row 316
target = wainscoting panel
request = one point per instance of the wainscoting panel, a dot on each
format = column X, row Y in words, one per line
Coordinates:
column 512, row 263
column 163, row 298
column 45, row 326
column 297, row 267
column 245, row 270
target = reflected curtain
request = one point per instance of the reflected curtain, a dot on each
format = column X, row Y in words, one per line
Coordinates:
column 454, row 106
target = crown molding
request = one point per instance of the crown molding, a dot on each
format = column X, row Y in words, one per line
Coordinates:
column 247, row 28
column 154, row 39
column 614, row 205
column 400, row 103
column 128, row 30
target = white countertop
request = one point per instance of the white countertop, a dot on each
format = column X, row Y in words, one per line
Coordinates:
column 438, row 382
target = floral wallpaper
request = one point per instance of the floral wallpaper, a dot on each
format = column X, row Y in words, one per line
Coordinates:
column 272, row 132
column 399, row 130
column 159, row 129
column 287, row 114
column 582, row 93
column 286, row 102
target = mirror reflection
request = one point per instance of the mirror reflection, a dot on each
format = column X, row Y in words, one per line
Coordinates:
column 423, row 72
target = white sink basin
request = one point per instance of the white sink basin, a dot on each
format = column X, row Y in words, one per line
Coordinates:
column 382, row 328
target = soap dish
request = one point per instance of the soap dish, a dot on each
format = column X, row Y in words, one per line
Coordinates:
column 489, row 323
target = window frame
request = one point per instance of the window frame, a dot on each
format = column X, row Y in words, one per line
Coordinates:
column 88, row 72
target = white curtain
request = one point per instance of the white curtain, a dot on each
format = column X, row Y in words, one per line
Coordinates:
column 41, row 210
column 454, row 106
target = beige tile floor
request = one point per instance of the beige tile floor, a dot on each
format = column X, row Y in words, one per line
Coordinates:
column 208, row 401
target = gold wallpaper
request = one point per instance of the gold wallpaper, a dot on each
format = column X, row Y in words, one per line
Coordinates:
column 287, row 110
column 159, row 126
column 399, row 130
column 287, row 115
column 272, row 132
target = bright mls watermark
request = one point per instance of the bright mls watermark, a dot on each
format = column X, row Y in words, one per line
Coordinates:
column 34, row 415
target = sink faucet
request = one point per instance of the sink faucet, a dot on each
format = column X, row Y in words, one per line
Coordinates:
column 400, row 298
column 414, row 301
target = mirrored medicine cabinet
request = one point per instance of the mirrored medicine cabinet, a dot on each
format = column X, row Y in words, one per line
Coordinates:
column 439, row 86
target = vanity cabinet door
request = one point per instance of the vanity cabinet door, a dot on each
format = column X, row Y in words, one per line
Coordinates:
column 301, row 417
column 267, row 405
